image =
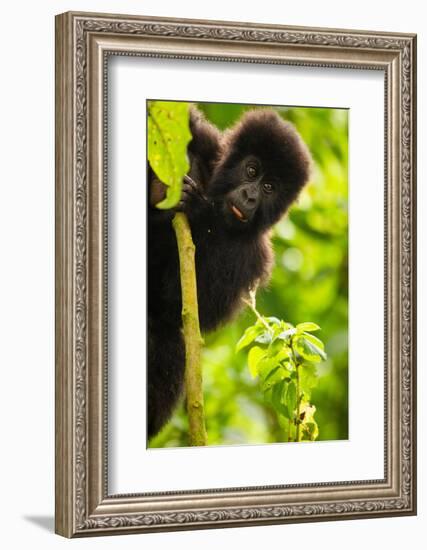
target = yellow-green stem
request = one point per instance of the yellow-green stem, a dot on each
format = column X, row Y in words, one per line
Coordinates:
column 191, row 330
column 297, row 437
column 252, row 305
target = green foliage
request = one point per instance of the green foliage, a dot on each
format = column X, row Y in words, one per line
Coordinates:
column 309, row 281
column 282, row 357
column 168, row 137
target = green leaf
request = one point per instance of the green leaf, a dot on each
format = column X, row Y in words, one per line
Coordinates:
column 277, row 398
column 309, row 428
column 271, row 375
column 308, row 350
column 254, row 357
column 314, row 340
column 273, row 320
column 267, row 364
column 286, row 334
column 310, row 431
column 264, row 338
column 249, row 336
column 307, row 327
column 277, row 347
column 282, row 354
column 308, row 378
column 168, row 138
column 291, row 399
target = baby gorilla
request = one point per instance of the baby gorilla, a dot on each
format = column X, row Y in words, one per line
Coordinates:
column 240, row 184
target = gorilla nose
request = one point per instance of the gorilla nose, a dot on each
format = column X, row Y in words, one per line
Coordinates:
column 250, row 196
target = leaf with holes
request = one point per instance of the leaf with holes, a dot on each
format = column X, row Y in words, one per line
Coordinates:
column 168, row 138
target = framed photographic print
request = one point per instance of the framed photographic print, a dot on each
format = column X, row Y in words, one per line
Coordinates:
column 235, row 274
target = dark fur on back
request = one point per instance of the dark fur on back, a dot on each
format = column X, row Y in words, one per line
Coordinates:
column 229, row 261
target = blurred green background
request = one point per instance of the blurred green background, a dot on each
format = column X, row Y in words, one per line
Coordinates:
column 309, row 283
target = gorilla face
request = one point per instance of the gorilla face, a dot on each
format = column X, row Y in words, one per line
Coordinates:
column 255, row 198
column 264, row 166
column 253, row 195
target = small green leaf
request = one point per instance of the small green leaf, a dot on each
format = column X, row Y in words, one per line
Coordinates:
column 314, row 340
column 291, row 399
column 308, row 350
column 309, row 428
column 310, row 431
column 271, row 376
column 277, row 347
column 264, row 338
column 268, row 363
column 273, row 320
column 286, row 334
column 277, row 398
column 307, row 327
column 308, row 378
column 249, row 336
column 254, row 357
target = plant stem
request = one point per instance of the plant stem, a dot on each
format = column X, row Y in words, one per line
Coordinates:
column 297, row 420
column 297, row 436
column 259, row 316
column 191, row 329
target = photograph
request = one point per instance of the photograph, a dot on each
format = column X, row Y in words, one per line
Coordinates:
column 265, row 191
column 235, row 274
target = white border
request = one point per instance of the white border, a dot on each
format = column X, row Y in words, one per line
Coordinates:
column 133, row 468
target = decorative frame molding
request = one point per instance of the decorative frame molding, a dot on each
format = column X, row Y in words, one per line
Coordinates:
column 83, row 43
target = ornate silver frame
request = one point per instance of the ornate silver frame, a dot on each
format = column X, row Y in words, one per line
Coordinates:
column 83, row 42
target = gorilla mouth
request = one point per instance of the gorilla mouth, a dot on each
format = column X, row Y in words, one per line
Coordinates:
column 238, row 213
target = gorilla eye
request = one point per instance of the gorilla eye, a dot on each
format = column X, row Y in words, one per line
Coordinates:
column 268, row 188
column 251, row 171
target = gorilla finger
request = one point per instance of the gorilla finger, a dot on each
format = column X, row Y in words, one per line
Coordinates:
column 186, row 188
column 187, row 195
column 189, row 180
column 191, row 187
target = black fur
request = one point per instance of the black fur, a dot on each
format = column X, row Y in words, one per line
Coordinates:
column 241, row 183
